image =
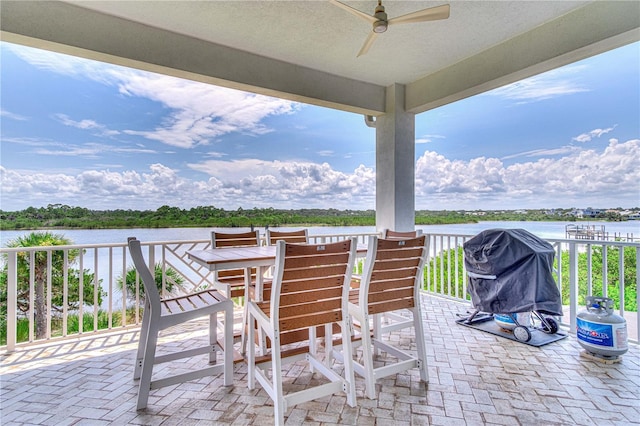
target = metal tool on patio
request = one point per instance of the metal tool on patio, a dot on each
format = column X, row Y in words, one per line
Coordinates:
column 510, row 278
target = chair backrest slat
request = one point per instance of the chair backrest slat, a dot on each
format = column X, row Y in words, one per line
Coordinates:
column 302, row 309
column 388, row 306
column 300, row 236
column 384, row 285
column 293, row 299
column 388, row 234
column 310, row 320
column 315, row 260
column 313, row 271
column 292, row 286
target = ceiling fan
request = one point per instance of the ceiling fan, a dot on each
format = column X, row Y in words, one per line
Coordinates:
column 380, row 22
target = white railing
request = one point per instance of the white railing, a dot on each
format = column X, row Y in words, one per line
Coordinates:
column 34, row 282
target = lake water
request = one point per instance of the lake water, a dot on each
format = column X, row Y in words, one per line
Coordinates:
column 101, row 236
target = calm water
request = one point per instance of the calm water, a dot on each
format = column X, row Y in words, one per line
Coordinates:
column 541, row 229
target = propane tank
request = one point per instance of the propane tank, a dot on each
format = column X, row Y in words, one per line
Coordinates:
column 505, row 321
column 601, row 332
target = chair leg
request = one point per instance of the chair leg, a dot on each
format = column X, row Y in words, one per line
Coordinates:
column 142, row 342
column 251, row 355
column 213, row 337
column 347, row 352
column 276, row 365
column 367, row 361
column 228, row 343
column 147, row 364
column 420, row 344
column 377, row 327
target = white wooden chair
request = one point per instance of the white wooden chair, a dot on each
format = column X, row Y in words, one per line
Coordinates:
column 310, row 289
column 390, row 283
column 160, row 314
column 231, row 283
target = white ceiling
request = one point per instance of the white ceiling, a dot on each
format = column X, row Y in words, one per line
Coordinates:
column 306, row 50
column 319, row 35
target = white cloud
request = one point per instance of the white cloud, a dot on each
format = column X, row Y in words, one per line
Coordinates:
column 595, row 133
column 583, row 177
column 86, row 124
column 86, row 150
column 548, row 85
column 89, row 150
column 543, row 152
column 12, row 116
column 288, row 185
column 198, row 112
column 428, row 139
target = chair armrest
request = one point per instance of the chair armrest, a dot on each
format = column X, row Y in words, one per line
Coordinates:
column 264, row 322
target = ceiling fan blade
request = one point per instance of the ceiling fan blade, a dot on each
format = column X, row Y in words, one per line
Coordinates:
column 367, row 43
column 368, row 18
column 430, row 14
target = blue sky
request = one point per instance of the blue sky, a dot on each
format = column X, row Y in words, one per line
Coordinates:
column 95, row 135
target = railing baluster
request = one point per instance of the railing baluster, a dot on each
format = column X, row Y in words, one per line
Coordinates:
column 96, row 289
column 110, row 312
column 448, row 265
column 573, row 286
column 81, row 292
column 49, row 292
column 32, row 294
column 12, row 301
column 457, row 277
column 638, row 292
column 589, row 270
column 621, row 278
column 124, row 287
column 605, row 271
column 65, row 292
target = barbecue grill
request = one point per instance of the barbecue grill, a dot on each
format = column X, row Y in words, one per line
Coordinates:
column 510, row 272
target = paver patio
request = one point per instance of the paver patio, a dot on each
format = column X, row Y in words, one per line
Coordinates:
column 475, row 379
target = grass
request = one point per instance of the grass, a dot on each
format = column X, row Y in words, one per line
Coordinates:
column 22, row 328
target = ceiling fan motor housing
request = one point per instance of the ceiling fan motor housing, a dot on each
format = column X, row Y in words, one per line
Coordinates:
column 380, row 25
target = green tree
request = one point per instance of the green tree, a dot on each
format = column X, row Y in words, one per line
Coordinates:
column 24, row 266
column 173, row 278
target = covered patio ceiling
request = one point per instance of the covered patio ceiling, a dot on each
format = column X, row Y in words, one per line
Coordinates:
column 306, row 50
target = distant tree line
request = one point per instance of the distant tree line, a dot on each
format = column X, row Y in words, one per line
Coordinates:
column 66, row 217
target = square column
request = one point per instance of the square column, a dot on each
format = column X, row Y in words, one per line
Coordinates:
column 395, row 164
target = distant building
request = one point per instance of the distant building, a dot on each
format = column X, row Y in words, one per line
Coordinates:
column 589, row 212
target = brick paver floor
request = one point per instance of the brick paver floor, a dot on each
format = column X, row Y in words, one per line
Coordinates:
column 475, row 379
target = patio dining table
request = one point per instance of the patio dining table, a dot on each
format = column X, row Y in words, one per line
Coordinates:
column 262, row 257
column 218, row 259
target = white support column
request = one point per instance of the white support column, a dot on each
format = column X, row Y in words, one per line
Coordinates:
column 395, row 164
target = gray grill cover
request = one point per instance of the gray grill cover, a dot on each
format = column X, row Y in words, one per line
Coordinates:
column 516, row 269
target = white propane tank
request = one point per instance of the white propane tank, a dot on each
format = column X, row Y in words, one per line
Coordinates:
column 504, row 320
column 600, row 331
